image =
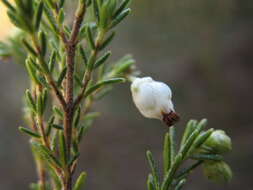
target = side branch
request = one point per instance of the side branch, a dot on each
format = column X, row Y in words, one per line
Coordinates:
column 48, row 76
column 88, row 72
column 57, row 92
column 81, row 95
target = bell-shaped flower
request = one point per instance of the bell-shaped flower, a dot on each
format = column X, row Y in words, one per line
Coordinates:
column 153, row 99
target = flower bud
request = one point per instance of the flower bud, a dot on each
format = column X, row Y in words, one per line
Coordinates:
column 219, row 142
column 217, row 171
column 153, row 99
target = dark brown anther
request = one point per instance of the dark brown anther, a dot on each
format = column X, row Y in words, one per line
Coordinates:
column 170, row 118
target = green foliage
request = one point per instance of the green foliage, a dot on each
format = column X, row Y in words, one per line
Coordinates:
column 102, row 59
column 80, row 181
column 58, row 112
column 46, row 154
column 169, row 150
column 61, row 76
column 102, row 84
column 63, row 149
column 154, row 172
column 30, row 102
column 107, row 41
column 38, row 15
column 66, row 76
column 192, row 139
column 29, row 132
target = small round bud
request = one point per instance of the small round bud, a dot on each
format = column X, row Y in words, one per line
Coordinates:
column 217, row 171
column 219, row 142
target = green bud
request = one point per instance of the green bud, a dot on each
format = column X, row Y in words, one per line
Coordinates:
column 219, row 142
column 217, row 171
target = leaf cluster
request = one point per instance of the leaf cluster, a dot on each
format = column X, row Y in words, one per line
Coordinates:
column 174, row 176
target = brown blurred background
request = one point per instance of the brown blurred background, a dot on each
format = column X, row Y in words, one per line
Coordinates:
column 202, row 48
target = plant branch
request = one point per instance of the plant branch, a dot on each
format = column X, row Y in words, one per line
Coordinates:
column 88, row 72
column 57, row 92
column 79, row 16
column 69, row 112
column 42, row 132
column 48, row 77
column 39, row 163
column 71, row 50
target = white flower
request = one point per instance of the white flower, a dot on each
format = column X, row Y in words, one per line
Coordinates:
column 153, row 99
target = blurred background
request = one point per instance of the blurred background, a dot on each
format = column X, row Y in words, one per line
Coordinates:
column 202, row 48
